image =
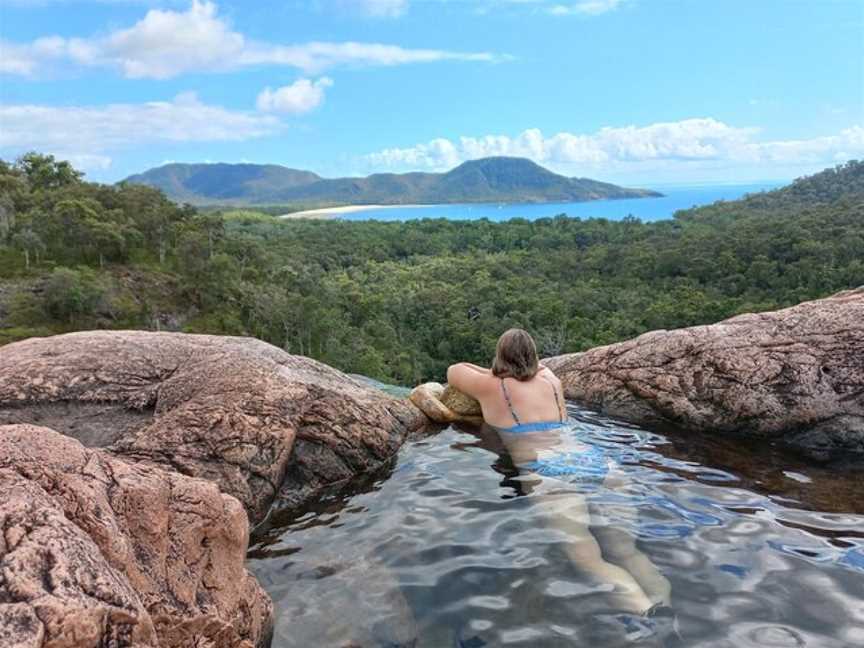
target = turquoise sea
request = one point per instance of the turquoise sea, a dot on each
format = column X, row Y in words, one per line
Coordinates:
column 647, row 209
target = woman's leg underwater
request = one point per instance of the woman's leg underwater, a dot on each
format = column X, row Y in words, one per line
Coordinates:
column 618, row 544
column 619, row 548
column 569, row 513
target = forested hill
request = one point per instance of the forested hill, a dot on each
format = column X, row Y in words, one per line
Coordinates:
column 196, row 183
column 497, row 179
column 840, row 186
column 399, row 301
column 828, row 186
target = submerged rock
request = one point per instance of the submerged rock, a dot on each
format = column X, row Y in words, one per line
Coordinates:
column 381, row 616
column 237, row 411
column 97, row 552
column 795, row 375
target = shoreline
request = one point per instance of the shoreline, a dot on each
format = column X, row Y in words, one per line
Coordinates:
column 646, row 208
column 334, row 212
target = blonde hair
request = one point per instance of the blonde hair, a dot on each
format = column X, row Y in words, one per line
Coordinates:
column 516, row 355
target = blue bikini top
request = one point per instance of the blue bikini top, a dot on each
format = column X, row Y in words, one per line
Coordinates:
column 538, row 426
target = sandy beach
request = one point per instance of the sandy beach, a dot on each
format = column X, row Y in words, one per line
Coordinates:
column 334, row 212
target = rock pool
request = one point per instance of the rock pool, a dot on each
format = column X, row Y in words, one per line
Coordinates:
column 449, row 546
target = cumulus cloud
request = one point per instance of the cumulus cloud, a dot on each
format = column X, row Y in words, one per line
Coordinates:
column 837, row 148
column 88, row 161
column 438, row 154
column 689, row 141
column 88, row 133
column 167, row 43
column 300, row 97
column 163, row 44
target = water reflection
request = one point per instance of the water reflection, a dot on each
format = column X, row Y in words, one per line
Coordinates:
column 447, row 547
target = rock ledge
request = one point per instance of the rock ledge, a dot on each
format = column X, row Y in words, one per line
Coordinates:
column 127, row 524
column 795, row 375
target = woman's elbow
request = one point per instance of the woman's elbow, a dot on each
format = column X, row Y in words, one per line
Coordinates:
column 453, row 373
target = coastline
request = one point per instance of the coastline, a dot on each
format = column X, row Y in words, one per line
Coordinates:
column 334, row 212
column 646, row 208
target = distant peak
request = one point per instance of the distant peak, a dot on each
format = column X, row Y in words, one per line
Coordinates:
column 499, row 160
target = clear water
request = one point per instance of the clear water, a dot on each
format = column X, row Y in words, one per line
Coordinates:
column 449, row 546
column 647, row 209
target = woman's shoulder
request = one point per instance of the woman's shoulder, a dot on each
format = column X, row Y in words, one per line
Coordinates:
column 550, row 378
column 546, row 372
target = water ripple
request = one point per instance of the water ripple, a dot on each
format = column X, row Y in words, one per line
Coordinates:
column 451, row 547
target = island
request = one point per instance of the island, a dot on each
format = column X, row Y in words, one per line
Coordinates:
column 494, row 179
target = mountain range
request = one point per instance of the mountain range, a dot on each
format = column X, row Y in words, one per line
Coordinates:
column 494, row 179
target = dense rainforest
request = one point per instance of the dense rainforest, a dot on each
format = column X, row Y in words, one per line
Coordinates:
column 401, row 301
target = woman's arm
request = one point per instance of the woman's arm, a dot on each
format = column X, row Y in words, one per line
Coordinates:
column 468, row 378
column 477, row 368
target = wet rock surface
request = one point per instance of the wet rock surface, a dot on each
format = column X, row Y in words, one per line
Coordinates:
column 98, row 552
column 795, row 375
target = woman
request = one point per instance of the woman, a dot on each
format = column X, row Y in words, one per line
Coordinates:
column 524, row 402
column 516, row 383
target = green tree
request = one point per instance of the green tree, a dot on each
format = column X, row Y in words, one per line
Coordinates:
column 104, row 238
column 7, row 217
column 29, row 243
column 43, row 172
column 69, row 294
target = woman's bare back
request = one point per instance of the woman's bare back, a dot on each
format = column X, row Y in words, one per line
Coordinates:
column 537, row 399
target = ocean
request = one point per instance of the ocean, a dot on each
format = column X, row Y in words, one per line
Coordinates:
column 646, row 209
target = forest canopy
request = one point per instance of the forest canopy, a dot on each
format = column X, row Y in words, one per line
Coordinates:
column 401, row 301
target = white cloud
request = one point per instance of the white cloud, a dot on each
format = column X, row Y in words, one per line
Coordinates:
column 689, row 142
column 88, row 133
column 15, row 59
column 300, row 97
column 315, row 57
column 88, row 162
column 837, row 148
column 438, row 154
column 585, row 8
column 168, row 43
column 28, row 4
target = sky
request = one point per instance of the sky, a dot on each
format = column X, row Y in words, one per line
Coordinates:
column 639, row 92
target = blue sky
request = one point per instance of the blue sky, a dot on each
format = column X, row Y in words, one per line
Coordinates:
column 631, row 91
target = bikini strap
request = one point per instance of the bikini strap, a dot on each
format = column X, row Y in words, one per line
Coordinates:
column 509, row 403
column 557, row 400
